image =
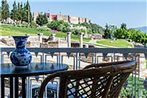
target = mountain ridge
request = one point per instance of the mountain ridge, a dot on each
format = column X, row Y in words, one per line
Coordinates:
column 143, row 29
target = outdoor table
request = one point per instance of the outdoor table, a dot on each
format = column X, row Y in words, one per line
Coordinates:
column 10, row 71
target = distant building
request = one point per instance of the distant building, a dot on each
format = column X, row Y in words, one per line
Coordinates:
column 65, row 18
column 53, row 17
column 35, row 15
column 74, row 20
column 59, row 17
column 96, row 36
column 81, row 20
column 87, row 20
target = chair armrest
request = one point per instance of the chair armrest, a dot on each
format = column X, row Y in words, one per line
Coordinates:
column 104, row 64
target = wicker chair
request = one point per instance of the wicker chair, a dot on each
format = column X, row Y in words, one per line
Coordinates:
column 94, row 81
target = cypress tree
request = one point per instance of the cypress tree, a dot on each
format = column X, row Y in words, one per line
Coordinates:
column 24, row 16
column 19, row 11
column 5, row 10
column 14, row 12
column 27, row 13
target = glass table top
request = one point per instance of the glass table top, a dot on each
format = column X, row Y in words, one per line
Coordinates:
column 32, row 69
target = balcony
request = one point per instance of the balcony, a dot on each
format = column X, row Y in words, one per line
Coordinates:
column 77, row 58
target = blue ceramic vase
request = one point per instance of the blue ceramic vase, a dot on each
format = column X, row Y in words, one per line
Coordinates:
column 20, row 56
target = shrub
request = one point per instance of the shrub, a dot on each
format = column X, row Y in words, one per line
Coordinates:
column 34, row 25
column 41, row 20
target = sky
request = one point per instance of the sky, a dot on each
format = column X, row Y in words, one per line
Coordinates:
column 102, row 12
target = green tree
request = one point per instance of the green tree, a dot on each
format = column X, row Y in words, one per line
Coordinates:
column 59, row 25
column 23, row 9
column 29, row 12
column 41, row 20
column 53, row 25
column 76, row 31
column 14, row 12
column 4, row 10
column 123, row 26
column 93, row 28
column 86, row 25
column 19, row 11
column 120, row 33
column 107, row 33
column 63, row 26
column 27, row 17
column 132, row 34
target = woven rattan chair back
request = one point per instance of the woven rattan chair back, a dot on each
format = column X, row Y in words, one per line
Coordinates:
column 94, row 81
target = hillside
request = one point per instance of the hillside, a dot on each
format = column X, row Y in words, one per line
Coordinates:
column 10, row 30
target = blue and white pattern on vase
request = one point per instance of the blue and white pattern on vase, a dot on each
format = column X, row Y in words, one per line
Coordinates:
column 20, row 56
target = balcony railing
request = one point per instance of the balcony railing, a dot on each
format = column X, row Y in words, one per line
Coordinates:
column 77, row 58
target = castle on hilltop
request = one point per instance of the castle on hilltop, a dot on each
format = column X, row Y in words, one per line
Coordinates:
column 65, row 18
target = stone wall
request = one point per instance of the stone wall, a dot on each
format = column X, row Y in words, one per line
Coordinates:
column 33, row 41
